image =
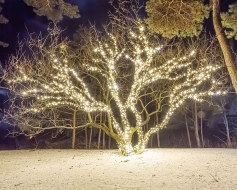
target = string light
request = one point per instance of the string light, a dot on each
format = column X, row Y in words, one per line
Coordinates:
column 62, row 91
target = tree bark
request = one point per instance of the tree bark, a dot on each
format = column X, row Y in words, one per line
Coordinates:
column 74, row 129
column 104, row 147
column 86, row 137
column 202, row 129
column 158, row 132
column 187, row 128
column 158, row 138
column 151, row 140
column 99, row 136
column 90, row 138
column 109, row 143
column 224, row 44
column 196, row 125
column 227, row 131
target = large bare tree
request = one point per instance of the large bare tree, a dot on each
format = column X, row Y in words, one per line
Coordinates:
column 125, row 72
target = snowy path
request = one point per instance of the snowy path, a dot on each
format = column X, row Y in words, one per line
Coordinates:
column 104, row 170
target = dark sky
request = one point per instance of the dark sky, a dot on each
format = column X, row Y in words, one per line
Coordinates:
column 22, row 16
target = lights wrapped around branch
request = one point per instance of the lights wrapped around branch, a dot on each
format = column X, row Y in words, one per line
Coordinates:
column 66, row 86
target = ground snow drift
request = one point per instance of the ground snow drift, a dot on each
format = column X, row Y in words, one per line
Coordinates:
column 104, row 169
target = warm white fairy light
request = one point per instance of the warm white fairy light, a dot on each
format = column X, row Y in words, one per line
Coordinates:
column 146, row 74
column 60, row 90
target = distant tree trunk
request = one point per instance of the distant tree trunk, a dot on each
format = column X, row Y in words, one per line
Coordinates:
column 151, row 140
column 196, row 125
column 90, row 138
column 99, row 136
column 201, row 128
column 158, row 138
column 104, row 140
column 187, row 128
column 86, row 137
column 133, row 139
column 146, row 125
column 74, row 129
column 227, row 130
column 225, row 46
column 110, row 126
column 109, row 144
column 158, row 132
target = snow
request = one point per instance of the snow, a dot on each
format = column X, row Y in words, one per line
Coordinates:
column 105, row 169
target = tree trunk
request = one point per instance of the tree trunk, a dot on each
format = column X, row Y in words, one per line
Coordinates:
column 86, row 136
column 99, row 139
column 227, row 130
column 74, row 129
column 225, row 46
column 157, row 133
column 90, row 138
column 109, row 143
column 196, row 125
column 187, row 128
column 151, row 140
column 104, row 140
column 99, row 136
column 146, row 125
column 201, row 129
column 158, row 138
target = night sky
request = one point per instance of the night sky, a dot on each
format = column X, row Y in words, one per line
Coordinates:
column 22, row 18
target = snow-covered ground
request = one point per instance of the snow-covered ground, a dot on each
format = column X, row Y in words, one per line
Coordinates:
column 104, row 170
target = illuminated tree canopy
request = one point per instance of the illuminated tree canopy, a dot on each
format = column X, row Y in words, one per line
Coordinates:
column 54, row 9
column 126, row 73
column 176, row 18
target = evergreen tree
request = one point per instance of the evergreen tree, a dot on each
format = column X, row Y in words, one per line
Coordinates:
column 3, row 20
column 54, row 9
column 229, row 21
column 184, row 18
column 176, row 18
